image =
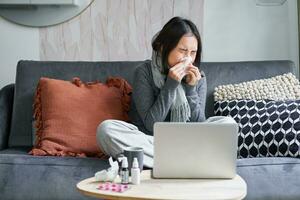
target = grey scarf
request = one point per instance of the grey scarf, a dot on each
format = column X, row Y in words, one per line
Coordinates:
column 180, row 109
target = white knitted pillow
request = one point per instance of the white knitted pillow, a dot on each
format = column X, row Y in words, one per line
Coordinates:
column 282, row 87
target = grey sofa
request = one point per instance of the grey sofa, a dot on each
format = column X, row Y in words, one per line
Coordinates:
column 32, row 177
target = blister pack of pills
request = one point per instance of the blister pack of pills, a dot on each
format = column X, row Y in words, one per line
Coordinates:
column 114, row 187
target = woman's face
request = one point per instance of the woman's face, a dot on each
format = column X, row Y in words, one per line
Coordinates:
column 187, row 46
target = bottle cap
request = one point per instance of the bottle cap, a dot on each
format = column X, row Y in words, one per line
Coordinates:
column 124, row 162
column 135, row 163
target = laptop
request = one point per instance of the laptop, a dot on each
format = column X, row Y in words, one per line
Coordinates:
column 195, row 150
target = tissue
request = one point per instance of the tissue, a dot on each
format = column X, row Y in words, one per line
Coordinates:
column 108, row 174
column 186, row 61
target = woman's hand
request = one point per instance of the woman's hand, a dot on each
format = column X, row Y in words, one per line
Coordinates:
column 177, row 72
column 193, row 75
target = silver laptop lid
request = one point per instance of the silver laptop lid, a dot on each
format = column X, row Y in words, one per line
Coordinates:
column 195, row 150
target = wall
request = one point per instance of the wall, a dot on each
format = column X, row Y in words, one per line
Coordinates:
column 298, row 7
column 232, row 30
column 114, row 30
column 237, row 30
column 16, row 43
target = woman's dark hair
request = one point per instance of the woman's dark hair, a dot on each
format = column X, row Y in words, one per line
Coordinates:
column 168, row 38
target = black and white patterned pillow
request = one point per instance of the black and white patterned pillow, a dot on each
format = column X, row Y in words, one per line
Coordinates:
column 267, row 128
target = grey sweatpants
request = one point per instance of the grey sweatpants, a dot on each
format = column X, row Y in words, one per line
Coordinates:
column 113, row 136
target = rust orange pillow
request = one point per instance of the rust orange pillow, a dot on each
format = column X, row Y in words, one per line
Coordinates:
column 67, row 114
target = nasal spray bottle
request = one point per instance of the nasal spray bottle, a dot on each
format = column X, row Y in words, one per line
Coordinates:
column 135, row 172
column 124, row 171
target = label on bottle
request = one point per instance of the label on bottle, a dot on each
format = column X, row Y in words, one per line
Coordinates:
column 124, row 176
column 135, row 176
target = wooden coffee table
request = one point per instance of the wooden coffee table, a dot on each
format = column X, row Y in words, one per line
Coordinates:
column 150, row 188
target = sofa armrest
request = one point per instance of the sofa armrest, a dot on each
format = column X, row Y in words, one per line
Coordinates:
column 6, row 105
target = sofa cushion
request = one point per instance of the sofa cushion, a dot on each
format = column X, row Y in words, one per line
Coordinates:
column 67, row 114
column 266, row 128
column 272, row 178
column 44, row 177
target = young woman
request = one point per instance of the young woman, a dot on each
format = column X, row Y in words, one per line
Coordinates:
column 170, row 87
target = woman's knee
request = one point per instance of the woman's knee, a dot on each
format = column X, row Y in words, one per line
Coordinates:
column 104, row 134
column 103, row 129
